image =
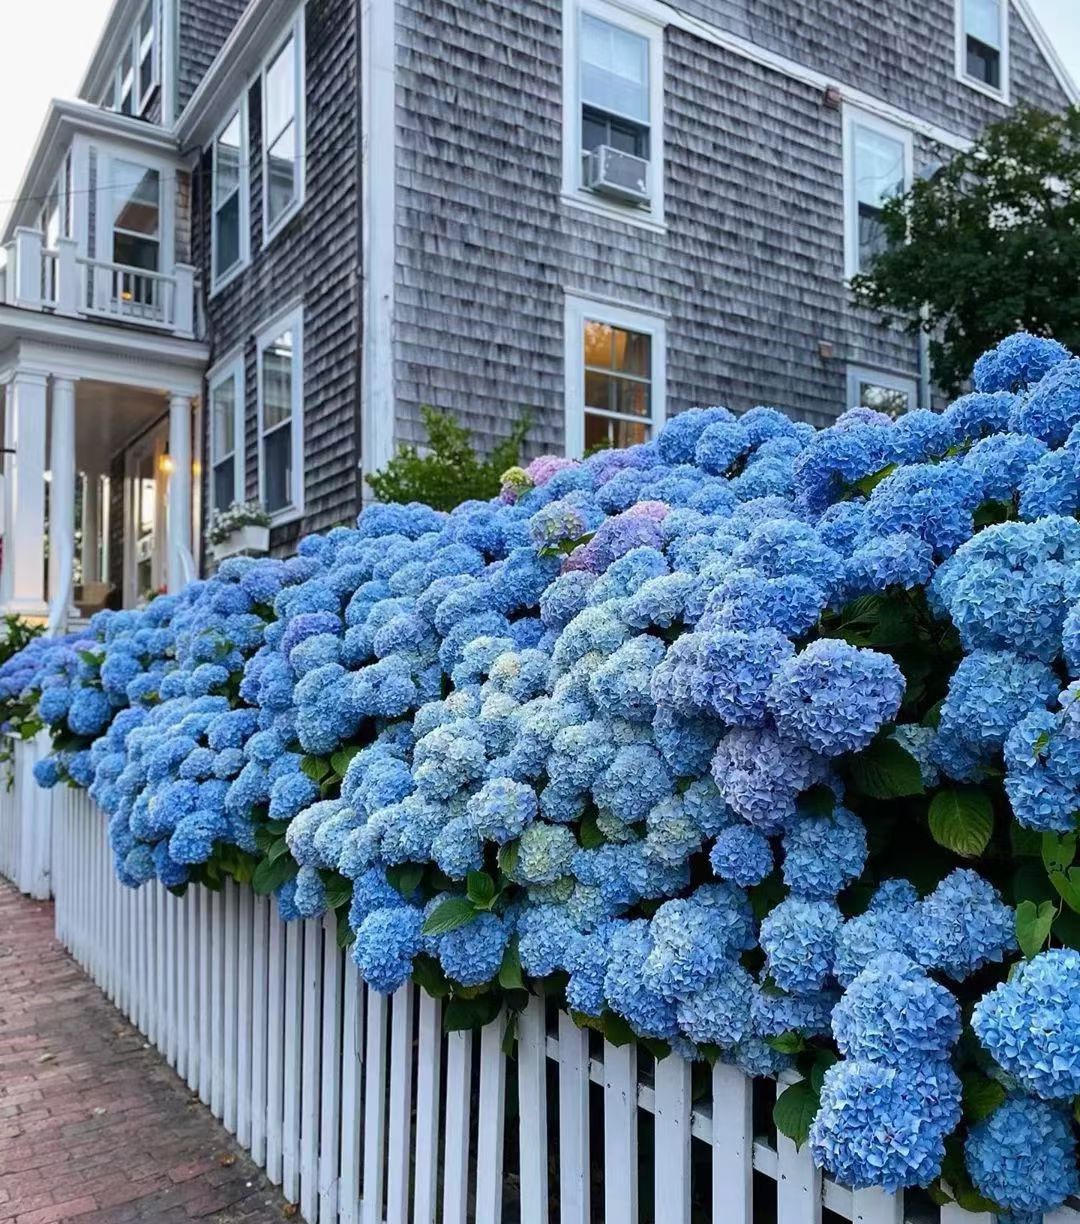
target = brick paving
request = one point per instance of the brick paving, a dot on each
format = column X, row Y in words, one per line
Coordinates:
column 94, row 1126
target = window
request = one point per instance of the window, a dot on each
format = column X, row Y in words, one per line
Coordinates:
column 615, row 380
column 893, row 394
column 982, row 51
column 283, row 131
column 226, row 385
column 137, row 74
column 280, row 350
column 877, row 165
column 136, row 232
column 231, row 239
column 613, row 99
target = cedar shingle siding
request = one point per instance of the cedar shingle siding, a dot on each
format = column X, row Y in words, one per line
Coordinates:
column 202, row 27
column 314, row 259
column 749, row 273
column 751, row 268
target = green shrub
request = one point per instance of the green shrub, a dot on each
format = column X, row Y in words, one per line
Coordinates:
column 451, row 472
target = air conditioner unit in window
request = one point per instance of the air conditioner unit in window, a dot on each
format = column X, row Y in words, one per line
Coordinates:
column 622, row 176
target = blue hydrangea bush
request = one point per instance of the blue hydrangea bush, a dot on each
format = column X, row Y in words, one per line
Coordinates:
column 754, row 743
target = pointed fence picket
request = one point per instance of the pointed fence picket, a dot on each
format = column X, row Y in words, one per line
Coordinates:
column 366, row 1112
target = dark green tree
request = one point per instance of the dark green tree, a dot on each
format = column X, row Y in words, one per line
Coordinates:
column 450, row 471
column 987, row 245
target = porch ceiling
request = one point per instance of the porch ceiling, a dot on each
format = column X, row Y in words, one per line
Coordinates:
column 107, row 417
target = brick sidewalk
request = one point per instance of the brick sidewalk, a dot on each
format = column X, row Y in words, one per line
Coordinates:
column 94, row 1126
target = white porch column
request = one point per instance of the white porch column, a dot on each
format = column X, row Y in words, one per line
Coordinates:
column 24, row 494
column 62, row 491
column 180, row 560
column 91, row 517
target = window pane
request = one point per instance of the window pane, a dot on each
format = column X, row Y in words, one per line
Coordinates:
column 614, row 69
column 598, row 391
column 225, row 484
column 632, row 353
column 281, row 90
column 277, row 368
column 281, row 168
column 137, row 195
column 891, row 400
column 879, row 166
column 223, row 398
column 135, row 252
column 982, row 18
column 277, row 456
column 631, row 397
column 127, row 80
column 607, row 431
column 598, row 341
column 983, row 63
column 227, row 160
column 227, row 236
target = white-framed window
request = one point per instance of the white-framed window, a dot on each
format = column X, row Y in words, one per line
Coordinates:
column 138, row 73
column 280, row 364
column 225, row 397
column 881, row 390
column 613, row 112
column 231, row 234
column 616, row 383
column 982, row 46
column 137, row 233
column 878, row 164
column 283, row 129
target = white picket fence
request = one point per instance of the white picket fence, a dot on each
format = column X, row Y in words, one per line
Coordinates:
column 25, row 820
column 363, row 1111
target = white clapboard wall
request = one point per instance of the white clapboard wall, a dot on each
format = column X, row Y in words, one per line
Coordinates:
column 363, row 1111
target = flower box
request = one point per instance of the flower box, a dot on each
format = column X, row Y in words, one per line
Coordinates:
column 247, row 539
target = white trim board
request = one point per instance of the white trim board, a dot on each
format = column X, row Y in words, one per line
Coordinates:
column 290, row 318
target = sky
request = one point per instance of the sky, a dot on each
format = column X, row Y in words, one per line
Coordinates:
column 47, row 45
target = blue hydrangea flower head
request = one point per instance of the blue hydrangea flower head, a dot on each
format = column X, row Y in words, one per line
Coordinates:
column 1017, row 362
column 1023, row 1156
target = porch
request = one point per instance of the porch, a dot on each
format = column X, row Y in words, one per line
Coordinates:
column 101, row 454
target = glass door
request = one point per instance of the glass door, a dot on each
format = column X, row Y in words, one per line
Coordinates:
column 147, row 467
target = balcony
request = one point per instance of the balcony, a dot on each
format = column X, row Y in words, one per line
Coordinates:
column 60, row 281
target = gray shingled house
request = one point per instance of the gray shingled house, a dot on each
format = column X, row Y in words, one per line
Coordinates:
column 267, row 232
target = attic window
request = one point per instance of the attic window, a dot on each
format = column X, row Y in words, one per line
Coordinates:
column 982, row 45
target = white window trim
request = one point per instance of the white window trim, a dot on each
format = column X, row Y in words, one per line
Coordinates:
column 652, row 324
column 573, row 192
column 295, row 30
column 219, row 283
column 230, row 368
column 857, row 374
column 1003, row 94
column 852, row 115
column 290, row 318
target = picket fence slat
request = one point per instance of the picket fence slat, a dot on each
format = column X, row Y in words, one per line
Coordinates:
column 490, row 1126
column 399, row 1133
column 574, row 1187
column 365, row 1112
column 374, row 1109
column 330, row 1091
column 532, row 1093
column 620, row 1133
column 459, row 1049
column 428, row 1082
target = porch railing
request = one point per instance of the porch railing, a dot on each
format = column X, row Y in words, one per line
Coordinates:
column 365, row 1111
column 60, row 280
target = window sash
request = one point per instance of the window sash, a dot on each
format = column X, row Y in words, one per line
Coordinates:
column 614, row 69
column 280, row 415
column 982, row 21
column 283, row 130
column 229, row 197
column 227, row 411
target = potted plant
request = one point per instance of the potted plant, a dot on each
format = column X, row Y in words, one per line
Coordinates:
column 243, row 528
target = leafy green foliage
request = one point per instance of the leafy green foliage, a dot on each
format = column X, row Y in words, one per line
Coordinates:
column 988, row 243
column 886, row 771
column 1033, row 923
column 962, row 821
column 795, row 1109
column 451, row 471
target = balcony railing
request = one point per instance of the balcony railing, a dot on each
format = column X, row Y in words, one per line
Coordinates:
column 63, row 282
